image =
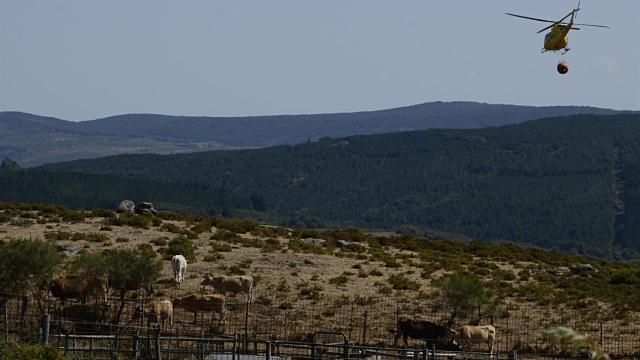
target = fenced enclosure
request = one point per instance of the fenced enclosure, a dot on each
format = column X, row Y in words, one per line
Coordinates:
column 294, row 328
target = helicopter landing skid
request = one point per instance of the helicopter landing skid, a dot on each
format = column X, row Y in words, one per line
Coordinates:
column 564, row 51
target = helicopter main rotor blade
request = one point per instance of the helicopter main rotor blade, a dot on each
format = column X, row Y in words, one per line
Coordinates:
column 556, row 23
column 548, row 27
column 600, row 26
column 530, row 18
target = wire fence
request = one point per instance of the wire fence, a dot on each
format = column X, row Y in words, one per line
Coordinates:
column 364, row 322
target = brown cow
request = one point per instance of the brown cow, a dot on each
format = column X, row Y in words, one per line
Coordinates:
column 83, row 317
column 214, row 303
column 76, row 287
column 158, row 311
column 470, row 335
column 232, row 284
column 426, row 330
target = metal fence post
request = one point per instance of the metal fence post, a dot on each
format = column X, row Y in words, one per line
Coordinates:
column 346, row 349
column 46, row 322
column 313, row 351
column 114, row 347
column 66, row 344
column 6, row 323
column 135, row 346
column 433, row 351
column 364, row 328
column 235, row 346
column 268, row 355
column 246, row 327
column 156, row 338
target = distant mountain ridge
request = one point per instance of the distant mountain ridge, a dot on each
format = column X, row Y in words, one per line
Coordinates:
column 33, row 140
column 569, row 183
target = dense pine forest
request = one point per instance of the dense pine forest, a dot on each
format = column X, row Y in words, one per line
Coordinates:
column 570, row 183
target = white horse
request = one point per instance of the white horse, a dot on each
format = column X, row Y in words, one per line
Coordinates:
column 179, row 265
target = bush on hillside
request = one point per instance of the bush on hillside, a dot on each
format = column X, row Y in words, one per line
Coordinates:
column 14, row 351
column 181, row 246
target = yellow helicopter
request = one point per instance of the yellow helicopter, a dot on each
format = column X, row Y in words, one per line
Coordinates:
column 558, row 38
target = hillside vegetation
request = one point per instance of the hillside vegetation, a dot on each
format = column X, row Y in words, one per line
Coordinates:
column 34, row 140
column 562, row 183
column 310, row 279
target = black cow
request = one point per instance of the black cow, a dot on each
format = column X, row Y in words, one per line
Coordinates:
column 426, row 330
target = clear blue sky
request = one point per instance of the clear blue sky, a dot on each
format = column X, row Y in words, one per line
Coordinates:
column 81, row 59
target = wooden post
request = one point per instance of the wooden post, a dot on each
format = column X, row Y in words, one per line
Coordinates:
column 346, row 354
column 601, row 337
column 135, row 346
column 364, row 327
column 6, row 323
column 66, row 344
column 113, row 346
column 45, row 322
column 156, row 339
column 246, row 328
column 268, row 355
column 148, row 347
column 142, row 317
column 235, row 346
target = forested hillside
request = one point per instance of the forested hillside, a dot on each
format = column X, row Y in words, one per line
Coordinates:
column 569, row 183
column 33, row 140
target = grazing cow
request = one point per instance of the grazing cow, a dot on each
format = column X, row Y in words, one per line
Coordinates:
column 214, row 303
column 159, row 311
column 136, row 286
column 420, row 329
column 233, row 284
column 179, row 266
column 470, row 335
column 84, row 317
column 76, row 287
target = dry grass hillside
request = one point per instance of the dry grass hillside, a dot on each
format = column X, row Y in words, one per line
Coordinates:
column 352, row 281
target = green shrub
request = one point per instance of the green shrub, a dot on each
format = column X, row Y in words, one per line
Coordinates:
column 375, row 272
column 235, row 270
column 217, row 247
column 340, row 280
column 21, row 222
column 226, row 236
column 13, row 351
column 213, row 257
column 126, row 219
column 4, row 218
column 103, row 213
column 58, row 235
column 160, row 241
column 506, row 275
column 271, row 245
column 96, row 237
column 283, row 286
column 385, row 290
column 182, row 246
column 310, row 292
column 74, row 216
column 237, row 226
column 400, row 282
column 27, row 264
